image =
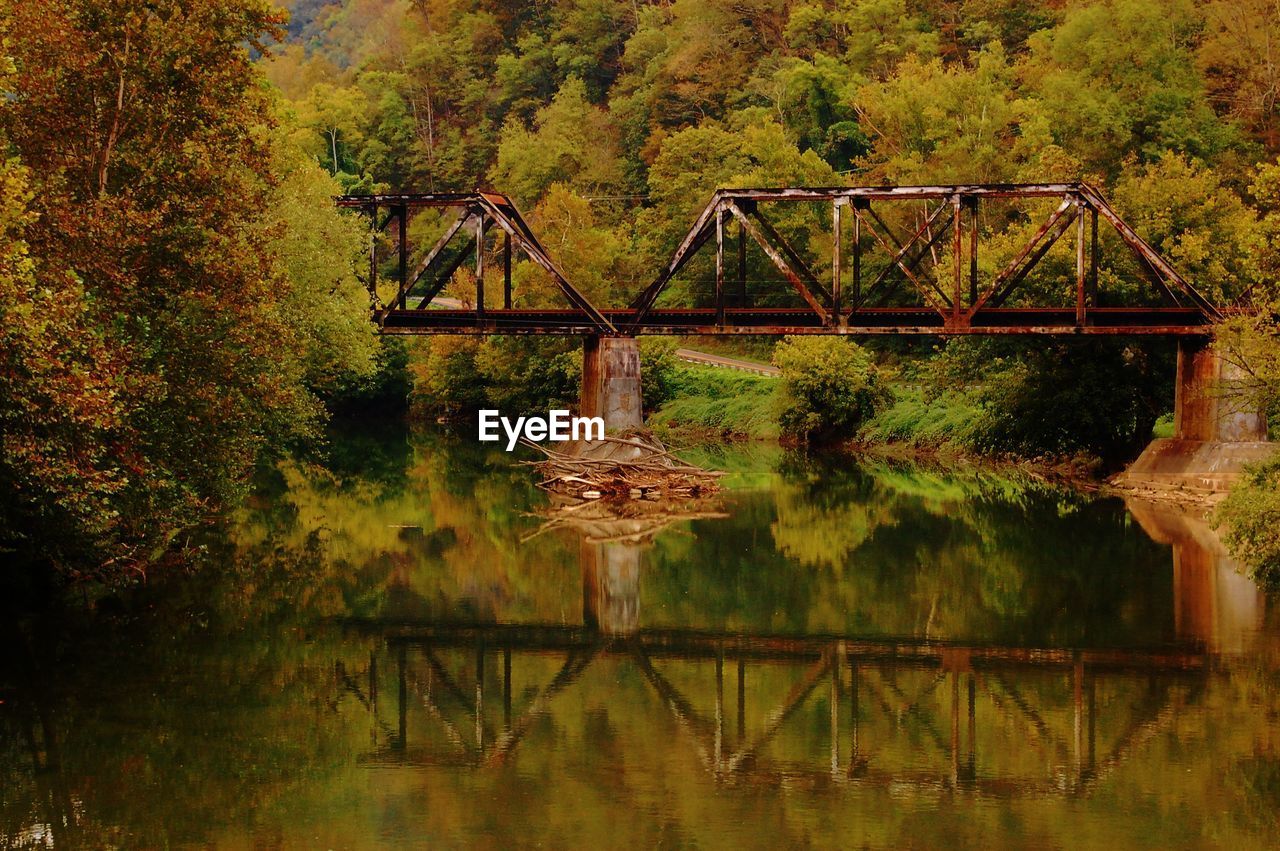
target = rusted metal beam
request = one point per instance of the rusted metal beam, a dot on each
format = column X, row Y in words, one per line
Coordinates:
column 1081, row 274
column 1093, row 257
column 1030, row 254
column 973, row 250
column 478, row 239
column 444, row 275
column 402, row 234
column 778, row 260
column 693, row 240
column 939, row 304
column 826, row 312
column 837, row 258
column 402, row 296
column 504, row 213
column 857, row 256
column 899, row 260
column 792, row 255
column 772, row 321
column 506, row 271
column 720, row 268
column 957, row 248
column 1145, row 251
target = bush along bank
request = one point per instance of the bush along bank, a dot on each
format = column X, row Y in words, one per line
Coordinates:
column 1050, row 408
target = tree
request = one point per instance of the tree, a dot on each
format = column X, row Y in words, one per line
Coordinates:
column 830, row 387
column 572, row 142
column 164, row 343
column 1250, row 520
column 1120, row 78
column 933, row 123
column 1240, row 57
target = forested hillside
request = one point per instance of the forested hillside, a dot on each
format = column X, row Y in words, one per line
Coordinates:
column 612, row 121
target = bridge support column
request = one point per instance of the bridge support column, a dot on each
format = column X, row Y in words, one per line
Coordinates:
column 611, row 382
column 1215, row 433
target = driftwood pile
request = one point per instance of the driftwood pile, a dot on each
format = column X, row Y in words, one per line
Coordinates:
column 633, row 464
column 626, row 521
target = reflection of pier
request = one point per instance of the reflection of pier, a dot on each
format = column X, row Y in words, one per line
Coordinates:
column 1213, row 601
column 897, row 712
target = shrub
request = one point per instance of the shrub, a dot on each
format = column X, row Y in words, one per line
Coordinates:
column 830, row 387
column 1250, row 521
column 658, row 368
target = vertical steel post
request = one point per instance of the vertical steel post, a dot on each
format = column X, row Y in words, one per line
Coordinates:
column 506, row 271
column 1080, row 267
column 837, row 209
column 957, row 250
column 373, row 255
column 1093, row 256
column 480, row 265
column 402, row 238
column 857, row 257
column 973, row 250
column 742, row 265
column 719, row 267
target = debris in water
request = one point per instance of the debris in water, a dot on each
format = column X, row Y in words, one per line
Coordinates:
column 633, row 464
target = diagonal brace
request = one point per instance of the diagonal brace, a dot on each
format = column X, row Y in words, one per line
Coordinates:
column 778, row 260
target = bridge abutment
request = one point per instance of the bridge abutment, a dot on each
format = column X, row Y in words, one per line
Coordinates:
column 611, row 382
column 1215, row 435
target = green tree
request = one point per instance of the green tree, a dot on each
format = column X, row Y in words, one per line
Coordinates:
column 165, row 343
column 830, row 387
column 572, row 142
column 1120, row 78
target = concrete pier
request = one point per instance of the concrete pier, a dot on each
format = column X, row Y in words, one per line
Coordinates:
column 611, row 382
column 1215, row 433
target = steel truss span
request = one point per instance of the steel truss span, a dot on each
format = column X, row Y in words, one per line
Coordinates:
column 883, row 279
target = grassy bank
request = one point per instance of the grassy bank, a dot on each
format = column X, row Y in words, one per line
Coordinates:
column 708, row 402
column 947, row 422
column 719, row 403
column 710, row 405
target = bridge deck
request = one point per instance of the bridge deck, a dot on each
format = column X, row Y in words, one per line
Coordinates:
column 1165, row 321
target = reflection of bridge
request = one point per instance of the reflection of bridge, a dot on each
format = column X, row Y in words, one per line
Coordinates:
column 890, row 270
column 901, row 712
column 982, row 718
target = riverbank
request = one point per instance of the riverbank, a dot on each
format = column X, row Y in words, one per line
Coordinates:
column 710, row 405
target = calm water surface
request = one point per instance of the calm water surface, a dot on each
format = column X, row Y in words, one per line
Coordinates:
column 396, row 649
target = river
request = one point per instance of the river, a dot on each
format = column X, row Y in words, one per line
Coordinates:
column 398, row 648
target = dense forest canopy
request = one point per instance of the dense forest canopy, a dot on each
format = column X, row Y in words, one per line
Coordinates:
column 613, row 120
